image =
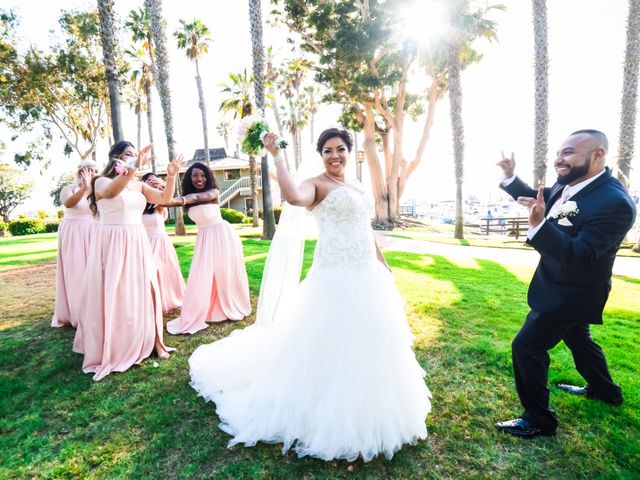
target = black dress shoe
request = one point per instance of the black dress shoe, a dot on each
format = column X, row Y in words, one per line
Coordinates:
column 519, row 427
column 586, row 391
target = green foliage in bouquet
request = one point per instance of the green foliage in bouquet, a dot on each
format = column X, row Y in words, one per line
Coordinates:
column 251, row 143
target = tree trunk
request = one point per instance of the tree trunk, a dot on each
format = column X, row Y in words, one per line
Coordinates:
column 253, row 174
column 541, row 125
column 457, row 129
column 109, row 53
column 161, row 75
column 255, row 18
column 378, row 185
column 276, row 114
column 203, row 111
column 139, row 123
column 147, row 94
column 629, row 94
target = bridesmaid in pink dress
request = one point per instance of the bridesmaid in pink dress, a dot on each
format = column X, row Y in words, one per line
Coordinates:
column 217, row 287
column 170, row 278
column 121, row 320
column 74, row 235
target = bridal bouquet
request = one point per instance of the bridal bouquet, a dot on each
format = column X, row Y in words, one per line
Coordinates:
column 252, row 131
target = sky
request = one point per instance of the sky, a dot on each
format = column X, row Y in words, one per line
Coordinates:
column 586, row 51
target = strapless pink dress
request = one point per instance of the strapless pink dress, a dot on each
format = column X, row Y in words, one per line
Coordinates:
column 170, row 279
column 121, row 310
column 74, row 235
column 217, row 287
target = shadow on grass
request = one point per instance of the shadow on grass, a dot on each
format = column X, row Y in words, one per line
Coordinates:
column 148, row 423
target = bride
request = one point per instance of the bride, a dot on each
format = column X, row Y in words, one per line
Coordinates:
column 333, row 374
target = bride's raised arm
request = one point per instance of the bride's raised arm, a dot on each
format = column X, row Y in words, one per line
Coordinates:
column 302, row 195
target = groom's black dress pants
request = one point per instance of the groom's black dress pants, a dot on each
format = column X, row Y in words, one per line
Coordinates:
column 529, row 350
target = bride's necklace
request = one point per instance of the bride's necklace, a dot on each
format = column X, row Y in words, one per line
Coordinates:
column 341, row 182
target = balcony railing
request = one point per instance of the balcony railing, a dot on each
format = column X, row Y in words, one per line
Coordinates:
column 235, row 188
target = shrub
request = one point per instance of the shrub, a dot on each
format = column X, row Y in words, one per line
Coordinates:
column 247, row 220
column 51, row 227
column 187, row 220
column 170, row 221
column 60, row 214
column 232, row 216
column 277, row 211
column 3, row 228
column 26, row 226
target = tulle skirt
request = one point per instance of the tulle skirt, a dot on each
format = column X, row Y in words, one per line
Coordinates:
column 334, row 376
column 170, row 281
column 217, row 287
column 121, row 311
column 74, row 237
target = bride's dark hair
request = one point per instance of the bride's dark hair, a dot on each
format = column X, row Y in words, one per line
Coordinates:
column 109, row 171
column 332, row 133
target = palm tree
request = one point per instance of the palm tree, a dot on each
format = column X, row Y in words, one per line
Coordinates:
column 141, row 81
column 223, row 130
column 255, row 20
column 270, row 81
column 161, row 76
column 194, row 38
column 542, row 92
column 110, row 60
column 465, row 26
column 239, row 100
column 629, row 97
column 239, row 96
column 457, row 128
column 139, row 23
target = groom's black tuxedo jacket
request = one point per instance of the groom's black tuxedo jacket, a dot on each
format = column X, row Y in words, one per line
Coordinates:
column 573, row 276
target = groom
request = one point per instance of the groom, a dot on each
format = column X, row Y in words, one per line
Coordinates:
column 577, row 226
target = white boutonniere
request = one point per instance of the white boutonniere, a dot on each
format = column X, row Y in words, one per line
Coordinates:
column 568, row 209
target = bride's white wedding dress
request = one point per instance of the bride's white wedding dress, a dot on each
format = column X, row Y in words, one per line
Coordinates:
column 334, row 376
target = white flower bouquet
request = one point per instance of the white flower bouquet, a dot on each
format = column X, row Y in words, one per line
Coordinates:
column 252, row 131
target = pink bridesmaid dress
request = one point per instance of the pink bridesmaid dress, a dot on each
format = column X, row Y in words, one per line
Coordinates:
column 121, row 309
column 74, row 235
column 217, row 287
column 170, row 279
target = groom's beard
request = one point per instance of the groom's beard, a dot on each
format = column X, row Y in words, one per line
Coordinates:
column 575, row 173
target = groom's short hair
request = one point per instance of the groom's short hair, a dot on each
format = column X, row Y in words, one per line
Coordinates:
column 600, row 137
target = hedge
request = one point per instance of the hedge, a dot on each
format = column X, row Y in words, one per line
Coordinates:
column 232, row 216
column 51, row 227
column 26, row 226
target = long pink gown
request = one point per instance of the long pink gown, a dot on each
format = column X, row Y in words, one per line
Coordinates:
column 170, row 278
column 74, row 235
column 217, row 287
column 121, row 309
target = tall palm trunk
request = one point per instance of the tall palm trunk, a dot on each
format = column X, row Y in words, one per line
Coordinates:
column 161, row 75
column 109, row 54
column 457, row 128
column 629, row 93
column 203, row 111
column 253, row 181
column 138, row 111
column 255, row 17
column 541, row 125
column 147, row 94
column 629, row 98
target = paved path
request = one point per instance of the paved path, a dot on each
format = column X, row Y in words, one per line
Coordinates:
column 627, row 266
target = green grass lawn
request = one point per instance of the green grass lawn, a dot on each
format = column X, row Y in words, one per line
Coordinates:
column 55, row 422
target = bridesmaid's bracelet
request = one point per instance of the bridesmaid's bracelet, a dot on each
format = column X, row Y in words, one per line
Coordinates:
column 278, row 159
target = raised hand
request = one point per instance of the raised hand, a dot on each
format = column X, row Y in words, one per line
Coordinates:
column 174, row 167
column 144, row 156
column 269, row 141
column 507, row 164
column 536, row 207
column 85, row 178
